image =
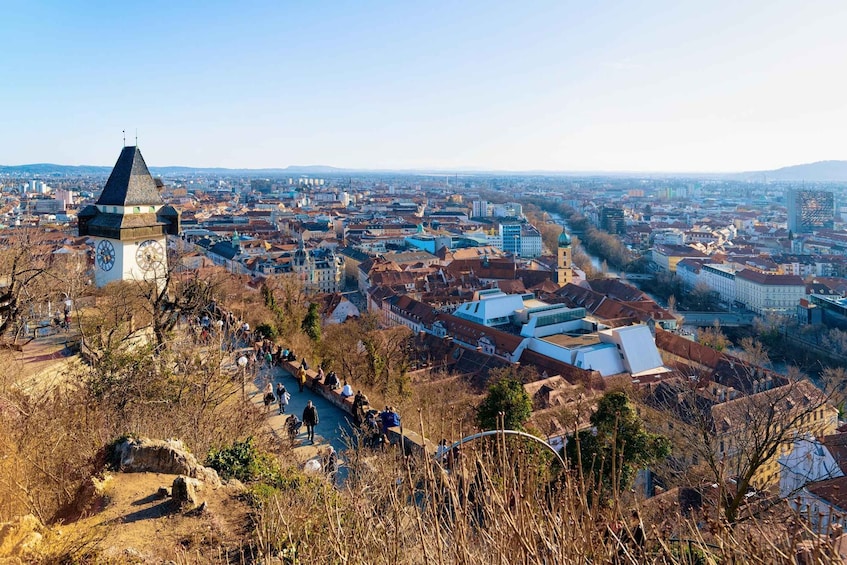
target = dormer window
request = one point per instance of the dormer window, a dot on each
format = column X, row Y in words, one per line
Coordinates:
column 136, row 210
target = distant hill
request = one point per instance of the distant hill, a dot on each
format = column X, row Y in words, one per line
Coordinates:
column 821, row 171
column 44, row 169
column 52, row 169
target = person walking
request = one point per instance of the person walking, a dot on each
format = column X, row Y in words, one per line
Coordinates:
column 301, row 377
column 268, row 397
column 282, row 397
column 330, row 464
column 310, row 420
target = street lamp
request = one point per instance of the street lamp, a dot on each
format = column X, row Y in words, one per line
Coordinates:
column 242, row 362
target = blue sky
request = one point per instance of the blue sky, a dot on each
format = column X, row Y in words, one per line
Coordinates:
column 638, row 86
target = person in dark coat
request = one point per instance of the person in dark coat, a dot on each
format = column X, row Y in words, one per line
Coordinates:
column 310, row 420
column 330, row 464
column 359, row 403
column 332, row 380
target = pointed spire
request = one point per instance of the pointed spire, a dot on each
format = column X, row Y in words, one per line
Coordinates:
column 130, row 183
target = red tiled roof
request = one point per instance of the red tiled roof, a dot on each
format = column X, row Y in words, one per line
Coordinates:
column 770, row 280
column 837, row 446
column 471, row 332
column 834, row 491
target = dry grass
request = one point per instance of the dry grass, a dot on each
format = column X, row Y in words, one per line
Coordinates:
column 502, row 504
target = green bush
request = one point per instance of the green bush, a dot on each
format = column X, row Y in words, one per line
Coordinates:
column 267, row 331
column 260, row 493
column 243, row 461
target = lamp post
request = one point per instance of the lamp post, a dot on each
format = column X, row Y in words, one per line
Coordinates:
column 242, row 362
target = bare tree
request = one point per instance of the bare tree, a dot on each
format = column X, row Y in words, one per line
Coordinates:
column 732, row 431
column 28, row 278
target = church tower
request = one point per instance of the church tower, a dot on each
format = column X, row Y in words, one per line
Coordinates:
column 129, row 224
column 564, row 265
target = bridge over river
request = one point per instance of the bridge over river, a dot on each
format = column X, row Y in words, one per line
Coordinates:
column 726, row 319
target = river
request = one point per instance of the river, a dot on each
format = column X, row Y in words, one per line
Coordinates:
column 596, row 262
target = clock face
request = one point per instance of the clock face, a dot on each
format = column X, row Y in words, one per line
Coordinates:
column 105, row 255
column 150, row 255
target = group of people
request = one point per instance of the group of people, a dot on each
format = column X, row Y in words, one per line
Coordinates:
column 375, row 426
column 282, row 396
column 273, row 354
column 329, row 380
column 293, row 425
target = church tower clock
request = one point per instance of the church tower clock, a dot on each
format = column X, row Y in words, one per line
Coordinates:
column 128, row 224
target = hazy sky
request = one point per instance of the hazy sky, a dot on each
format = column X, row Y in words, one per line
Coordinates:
column 585, row 85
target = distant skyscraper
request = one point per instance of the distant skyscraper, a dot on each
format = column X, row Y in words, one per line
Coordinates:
column 810, row 210
column 480, row 209
column 612, row 220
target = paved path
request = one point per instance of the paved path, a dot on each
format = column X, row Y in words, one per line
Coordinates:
column 333, row 428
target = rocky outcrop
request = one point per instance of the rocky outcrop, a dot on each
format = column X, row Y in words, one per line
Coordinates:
column 137, row 455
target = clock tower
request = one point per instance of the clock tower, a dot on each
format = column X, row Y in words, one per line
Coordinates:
column 564, row 261
column 128, row 224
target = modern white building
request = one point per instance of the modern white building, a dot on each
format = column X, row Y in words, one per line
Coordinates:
column 612, row 351
column 566, row 334
column 508, row 210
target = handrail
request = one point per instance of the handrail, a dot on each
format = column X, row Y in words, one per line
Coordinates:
column 505, row 432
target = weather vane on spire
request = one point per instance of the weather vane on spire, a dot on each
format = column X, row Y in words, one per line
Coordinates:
column 123, row 131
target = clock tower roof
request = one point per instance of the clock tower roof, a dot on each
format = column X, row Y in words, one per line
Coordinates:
column 130, row 183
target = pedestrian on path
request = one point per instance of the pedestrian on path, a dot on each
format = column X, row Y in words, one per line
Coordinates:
column 301, row 377
column 330, row 464
column 269, row 396
column 282, row 397
column 310, row 420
